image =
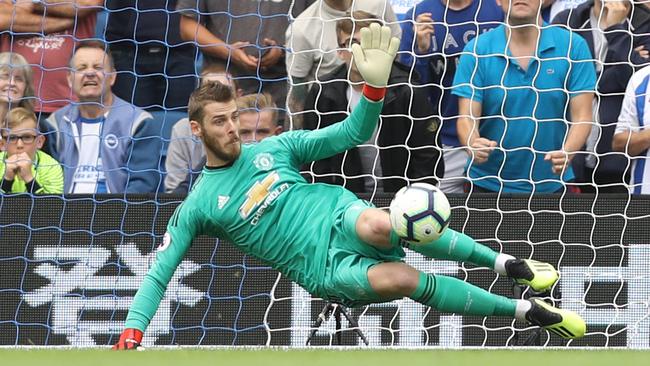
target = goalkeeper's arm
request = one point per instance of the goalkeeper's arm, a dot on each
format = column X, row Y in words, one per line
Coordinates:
column 374, row 59
column 181, row 230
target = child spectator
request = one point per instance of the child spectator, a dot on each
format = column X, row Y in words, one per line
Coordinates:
column 24, row 167
column 258, row 117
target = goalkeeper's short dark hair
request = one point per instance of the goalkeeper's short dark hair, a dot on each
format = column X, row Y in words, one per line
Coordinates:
column 208, row 92
column 354, row 21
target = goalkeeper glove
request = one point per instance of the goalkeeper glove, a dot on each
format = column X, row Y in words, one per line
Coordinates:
column 375, row 55
column 129, row 339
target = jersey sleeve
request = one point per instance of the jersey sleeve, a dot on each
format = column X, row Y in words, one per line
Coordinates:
column 357, row 128
column 628, row 119
column 468, row 82
column 183, row 226
column 582, row 75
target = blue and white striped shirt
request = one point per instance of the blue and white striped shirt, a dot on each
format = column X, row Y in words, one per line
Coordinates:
column 635, row 117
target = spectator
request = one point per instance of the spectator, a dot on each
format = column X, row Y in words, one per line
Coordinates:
column 251, row 47
column 405, row 146
column 258, row 117
column 24, row 167
column 16, row 88
column 185, row 154
column 311, row 40
column 617, row 47
column 48, row 48
column 437, row 32
column 105, row 144
column 518, row 79
column 632, row 135
column 155, row 68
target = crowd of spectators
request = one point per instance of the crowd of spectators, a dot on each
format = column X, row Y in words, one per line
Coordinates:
column 541, row 96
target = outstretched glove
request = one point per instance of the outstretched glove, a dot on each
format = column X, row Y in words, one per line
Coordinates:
column 375, row 55
column 129, row 340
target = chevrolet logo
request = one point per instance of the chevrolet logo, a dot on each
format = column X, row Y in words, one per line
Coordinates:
column 257, row 194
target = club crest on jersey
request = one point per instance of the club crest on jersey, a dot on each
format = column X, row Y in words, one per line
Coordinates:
column 111, row 141
column 264, row 161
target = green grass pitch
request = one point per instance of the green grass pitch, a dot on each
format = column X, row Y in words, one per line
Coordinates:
column 322, row 357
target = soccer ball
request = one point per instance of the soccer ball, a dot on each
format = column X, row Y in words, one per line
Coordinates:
column 419, row 213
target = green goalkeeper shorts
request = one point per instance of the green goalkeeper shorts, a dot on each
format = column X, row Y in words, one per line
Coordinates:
column 349, row 259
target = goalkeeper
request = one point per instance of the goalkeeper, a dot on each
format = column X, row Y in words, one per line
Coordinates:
column 254, row 196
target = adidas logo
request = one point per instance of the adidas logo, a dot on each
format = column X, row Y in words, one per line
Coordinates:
column 222, row 200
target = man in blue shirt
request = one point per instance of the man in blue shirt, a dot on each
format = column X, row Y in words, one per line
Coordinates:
column 522, row 80
column 436, row 31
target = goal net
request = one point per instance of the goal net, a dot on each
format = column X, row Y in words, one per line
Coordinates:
column 71, row 264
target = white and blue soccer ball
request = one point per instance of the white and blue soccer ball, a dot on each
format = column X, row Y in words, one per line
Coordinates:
column 419, row 213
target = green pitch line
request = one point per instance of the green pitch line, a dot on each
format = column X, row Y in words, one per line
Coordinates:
column 320, row 357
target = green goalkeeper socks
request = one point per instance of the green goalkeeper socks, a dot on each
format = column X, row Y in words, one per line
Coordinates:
column 455, row 246
column 448, row 294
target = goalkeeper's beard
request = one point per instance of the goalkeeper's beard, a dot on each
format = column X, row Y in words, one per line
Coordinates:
column 228, row 152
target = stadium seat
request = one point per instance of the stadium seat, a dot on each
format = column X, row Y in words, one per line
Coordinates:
column 166, row 120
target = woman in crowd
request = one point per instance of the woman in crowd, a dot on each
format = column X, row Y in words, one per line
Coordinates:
column 16, row 88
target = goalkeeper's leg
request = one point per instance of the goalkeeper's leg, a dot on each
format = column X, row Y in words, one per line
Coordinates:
column 373, row 227
column 456, row 246
column 447, row 294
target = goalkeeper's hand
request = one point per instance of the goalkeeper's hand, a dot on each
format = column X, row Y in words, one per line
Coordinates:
column 374, row 56
column 129, row 340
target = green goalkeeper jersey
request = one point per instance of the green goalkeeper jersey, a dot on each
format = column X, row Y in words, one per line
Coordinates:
column 264, row 206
